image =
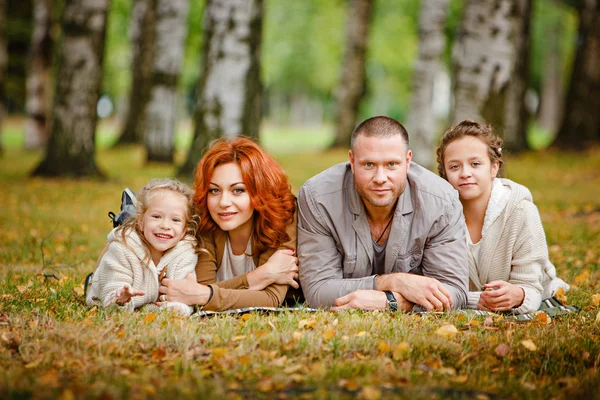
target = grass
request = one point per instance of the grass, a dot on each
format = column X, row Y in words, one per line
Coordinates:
column 52, row 346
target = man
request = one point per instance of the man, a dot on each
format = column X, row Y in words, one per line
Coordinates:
column 381, row 232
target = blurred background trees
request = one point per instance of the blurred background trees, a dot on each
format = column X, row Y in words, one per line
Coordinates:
column 173, row 75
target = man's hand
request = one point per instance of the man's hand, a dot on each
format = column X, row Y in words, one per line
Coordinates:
column 369, row 300
column 124, row 295
column 501, row 296
column 186, row 291
column 281, row 268
column 427, row 292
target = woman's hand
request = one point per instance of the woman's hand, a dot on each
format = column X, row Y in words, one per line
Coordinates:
column 500, row 296
column 124, row 295
column 281, row 268
column 186, row 291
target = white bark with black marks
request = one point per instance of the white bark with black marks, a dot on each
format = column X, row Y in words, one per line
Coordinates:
column 70, row 150
column 229, row 90
column 421, row 121
column 169, row 47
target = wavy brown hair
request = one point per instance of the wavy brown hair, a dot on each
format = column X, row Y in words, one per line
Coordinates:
column 485, row 133
column 267, row 185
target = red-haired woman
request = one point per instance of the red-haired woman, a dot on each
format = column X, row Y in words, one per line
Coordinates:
column 247, row 224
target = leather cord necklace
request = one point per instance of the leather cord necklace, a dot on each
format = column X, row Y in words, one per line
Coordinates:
column 384, row 229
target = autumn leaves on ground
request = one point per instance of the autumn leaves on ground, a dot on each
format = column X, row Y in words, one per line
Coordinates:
column 51, row 345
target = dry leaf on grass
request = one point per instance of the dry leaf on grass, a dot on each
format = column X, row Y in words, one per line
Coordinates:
column 529, row 345
column 384, row 347
column 561, row 295
column 596, row 300
column 369, row 393
column 148, row 319
column 401, row 352
column 446, row 331
column 329, row 334
column 502, row 350
column 159, row 353
column 542, row 318
column 598, row 317
column 306, row 323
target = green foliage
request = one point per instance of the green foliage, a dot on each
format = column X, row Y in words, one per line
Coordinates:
column 52, row 346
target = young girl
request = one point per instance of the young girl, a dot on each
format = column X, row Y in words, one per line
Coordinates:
column 248, row 226
column 509, row 267
column 160, row 240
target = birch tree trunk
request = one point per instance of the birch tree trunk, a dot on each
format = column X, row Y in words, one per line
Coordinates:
column 352, row 85
column 141, row 34
column 551, row 91
column 168, row 50
column 70, row 149
column 580, row 126
column 3, row 62
column 485, row 59
column 229, row 90
column 38, row 77
column 421, row 123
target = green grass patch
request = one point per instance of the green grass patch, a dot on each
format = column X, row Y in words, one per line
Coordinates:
column 52, row 346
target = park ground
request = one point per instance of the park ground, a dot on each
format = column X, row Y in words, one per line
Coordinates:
column 53, row 346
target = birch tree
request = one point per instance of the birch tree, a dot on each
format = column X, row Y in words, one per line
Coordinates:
column 70, row 149
column 141, row 35
column 38, row 76
column 3, row 61
column 352, row 84
column 421, row 123
column 229, row 90
column 489, row 44
column 168, row 49
column 581, row 122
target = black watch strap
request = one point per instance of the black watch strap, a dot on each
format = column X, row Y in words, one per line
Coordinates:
column 392, row 302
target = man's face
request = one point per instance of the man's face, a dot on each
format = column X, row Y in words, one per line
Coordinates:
column 380, row 167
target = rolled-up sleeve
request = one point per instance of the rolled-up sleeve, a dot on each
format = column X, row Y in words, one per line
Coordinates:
column 445, row 256
column 321, row 263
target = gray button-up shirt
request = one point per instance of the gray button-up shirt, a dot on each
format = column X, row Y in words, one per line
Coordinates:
column 335, row 250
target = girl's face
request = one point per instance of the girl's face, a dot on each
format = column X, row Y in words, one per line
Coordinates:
column 164, row 222
column 228, row 201
column 469, row 168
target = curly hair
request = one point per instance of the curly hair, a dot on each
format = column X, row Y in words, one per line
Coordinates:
column 267, row 185
column 485, row 133
column 143, row 203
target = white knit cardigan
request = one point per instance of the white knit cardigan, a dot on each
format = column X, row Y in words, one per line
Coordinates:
column 513, row 248
column 130, row 264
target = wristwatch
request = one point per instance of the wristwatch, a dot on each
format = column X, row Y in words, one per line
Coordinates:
column 391, row 300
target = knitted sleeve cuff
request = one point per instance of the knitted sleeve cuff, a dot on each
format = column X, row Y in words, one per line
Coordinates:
column 531, row 302
column 473, row 300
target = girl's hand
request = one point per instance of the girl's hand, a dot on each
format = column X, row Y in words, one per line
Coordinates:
column 124, row 295
column 186, row 291
column 281, row 268
column 501, row 296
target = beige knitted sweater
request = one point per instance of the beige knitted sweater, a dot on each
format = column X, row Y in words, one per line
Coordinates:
column 513, row 248
column 128, row 264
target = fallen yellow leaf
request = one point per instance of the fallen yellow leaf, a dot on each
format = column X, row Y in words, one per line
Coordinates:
column 598, row 317
column 561, row 295
column 596, row 300
column 159, row 353
column 369, row 393
column 401, row 352
column 306, row 323
column 148, row 319
column 361, row 333
column 78, row 291
column 529, row 345
column 446, row 331
column 219, row 352
column 384, row 347
column 238, row 338
column 297, row 335
column 502, row 350
column 543, row 318
column 246, row 317
column 329, row 334
column 460, row 379
column 582, row 278
column 292, row 369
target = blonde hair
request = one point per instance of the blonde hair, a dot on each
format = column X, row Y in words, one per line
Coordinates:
column 485, row 133
column 192, row 217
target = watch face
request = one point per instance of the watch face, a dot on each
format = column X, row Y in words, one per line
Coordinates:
column 393, row 306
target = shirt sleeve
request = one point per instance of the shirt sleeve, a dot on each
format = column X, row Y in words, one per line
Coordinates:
column 445, row 256
column 321, row 268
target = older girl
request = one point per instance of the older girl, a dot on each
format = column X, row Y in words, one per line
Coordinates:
column 509, row 267
column 247, row 224
column 160, row 240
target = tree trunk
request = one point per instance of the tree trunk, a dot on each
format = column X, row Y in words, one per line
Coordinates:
column 229, row 90
column 551, row 92
column 141, row 32
column 485, row 56
column 516, row 114
column 168, row 50
column 3, row 62
column 581, row 122
column 432, row 43
column 70, row 150
column 352, row 85
column 38, row 77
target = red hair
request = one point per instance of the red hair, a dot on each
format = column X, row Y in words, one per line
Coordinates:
column 267, row 185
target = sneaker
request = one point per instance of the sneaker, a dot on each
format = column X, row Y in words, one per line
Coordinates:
column 128, row 205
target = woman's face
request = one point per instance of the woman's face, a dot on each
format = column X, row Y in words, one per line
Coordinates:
column 469, row 168
column 228, row 200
